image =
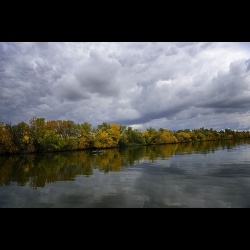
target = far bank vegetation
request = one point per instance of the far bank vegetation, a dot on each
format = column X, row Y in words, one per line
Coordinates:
column 60, row 135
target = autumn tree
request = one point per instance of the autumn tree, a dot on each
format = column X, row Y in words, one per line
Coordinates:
column 183, row 136
column 166, row 136
column 151, row 136
column 6, row 141
column 85, row 136
column 22, row 137
column 102, row 139
column 114, row 133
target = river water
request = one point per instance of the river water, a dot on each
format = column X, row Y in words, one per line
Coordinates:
column 185, row 175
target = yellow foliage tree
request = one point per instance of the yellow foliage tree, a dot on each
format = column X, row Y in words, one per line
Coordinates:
column 167, row 137
column 102, row 139
column 115, row 134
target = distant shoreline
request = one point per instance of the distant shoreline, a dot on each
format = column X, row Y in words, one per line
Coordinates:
column 40, row 136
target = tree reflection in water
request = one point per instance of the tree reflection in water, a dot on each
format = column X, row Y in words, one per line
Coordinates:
column 37, row 170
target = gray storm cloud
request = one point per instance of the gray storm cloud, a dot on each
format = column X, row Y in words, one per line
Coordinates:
column 98, row 75
column 171, row 85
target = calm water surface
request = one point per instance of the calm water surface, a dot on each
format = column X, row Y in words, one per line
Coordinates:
column 208, row 174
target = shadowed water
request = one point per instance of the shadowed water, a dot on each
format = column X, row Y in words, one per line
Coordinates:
column 207, row 174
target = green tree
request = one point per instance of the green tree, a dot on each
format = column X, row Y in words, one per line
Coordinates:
column 124, row 137
column 37, row 131
column 52, row 141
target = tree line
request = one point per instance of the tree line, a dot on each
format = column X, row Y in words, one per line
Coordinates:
column 40, row 135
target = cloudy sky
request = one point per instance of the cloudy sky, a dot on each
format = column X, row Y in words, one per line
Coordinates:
column 140, row 84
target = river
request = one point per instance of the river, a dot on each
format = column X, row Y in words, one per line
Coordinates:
column 185, row 175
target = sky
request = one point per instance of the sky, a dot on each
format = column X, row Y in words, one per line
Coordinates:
column 171, row 85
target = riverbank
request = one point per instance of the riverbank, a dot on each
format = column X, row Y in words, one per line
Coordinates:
column 40, row 136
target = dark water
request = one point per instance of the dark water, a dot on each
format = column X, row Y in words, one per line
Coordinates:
column 208, row 174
